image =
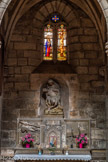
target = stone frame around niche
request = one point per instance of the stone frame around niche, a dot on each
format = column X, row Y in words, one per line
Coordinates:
column 69, row 87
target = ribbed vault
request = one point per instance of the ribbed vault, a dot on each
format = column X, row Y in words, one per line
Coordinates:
column 16, row 9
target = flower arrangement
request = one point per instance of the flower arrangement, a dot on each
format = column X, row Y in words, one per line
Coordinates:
column 81, row 139
column 27, row 140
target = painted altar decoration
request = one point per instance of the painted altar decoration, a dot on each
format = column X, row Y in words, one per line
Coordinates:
column 54, row 133
column 53, row 141
column 52, row 98
column 48, row 43
column 61, row 50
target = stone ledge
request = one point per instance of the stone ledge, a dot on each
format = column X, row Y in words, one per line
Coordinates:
column 73, row 151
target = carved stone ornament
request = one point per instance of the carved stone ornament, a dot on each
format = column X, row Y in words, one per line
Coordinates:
column 52, row 98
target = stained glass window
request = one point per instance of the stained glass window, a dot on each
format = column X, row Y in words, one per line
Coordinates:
column 55, row 18
column 61, row 49
column 48, row 43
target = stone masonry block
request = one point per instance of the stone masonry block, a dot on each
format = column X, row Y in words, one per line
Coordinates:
column 82, row 70
column 12, row 53
column 75, row 47
column 98, row 83
column 74, row 39
column 34, row 62
column 9, row 116
column 21, row 86
column 93, row 70
column 90, row 54
column 32, row 38
column 85, row 86
column 26, row 94
column 8, row 86
column 11, row 45
column 88, row 39
column 94, row 62
column 28, row 113
column 9, row 125
column 25, row 46
column 74, row 62
column 17, row 70
column 91, row 46
column 75, row 32
column 16, row 37
column 11, row 70
column 87, row 78
column 28, row 104
column 87, row 22
column 77, row 54
column 12, row 62
column 30, row 54
column 22, row 61
column 21, row 78
column 84, row 62
column 74, row 23
column 27, row 69
column 20, row 53
column 98, row 134
column 90, row 31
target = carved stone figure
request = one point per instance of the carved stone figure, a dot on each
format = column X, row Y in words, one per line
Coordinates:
column 52, row 96
column 27, row 127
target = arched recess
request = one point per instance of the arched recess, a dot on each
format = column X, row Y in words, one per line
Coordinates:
column 58, row 84
column 13, row 14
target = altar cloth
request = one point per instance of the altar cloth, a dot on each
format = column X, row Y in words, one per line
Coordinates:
column 51, row 157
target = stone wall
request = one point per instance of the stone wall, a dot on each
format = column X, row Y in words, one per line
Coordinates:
column 24, row 54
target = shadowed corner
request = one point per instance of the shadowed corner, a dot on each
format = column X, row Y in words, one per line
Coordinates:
column 0, row 123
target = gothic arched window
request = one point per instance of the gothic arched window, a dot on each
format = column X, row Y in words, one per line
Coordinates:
column 48, row 43
column 61, row 49
column 55, row 40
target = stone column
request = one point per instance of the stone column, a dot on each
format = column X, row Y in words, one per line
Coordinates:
column 0, row 92
column 1, row 80
column 106, row 47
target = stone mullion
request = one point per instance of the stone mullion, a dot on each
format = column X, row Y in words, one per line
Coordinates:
column 106, row 46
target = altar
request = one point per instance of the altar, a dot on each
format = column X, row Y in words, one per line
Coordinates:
column 23, row 154
column 45, row 130
column 53, row 135
column 52, row 157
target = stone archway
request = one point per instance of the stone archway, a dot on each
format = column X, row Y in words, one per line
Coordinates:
column 5, row 3
column 3, row 6
column 104, row 6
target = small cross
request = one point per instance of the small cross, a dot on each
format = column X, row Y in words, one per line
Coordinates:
column 55, row 18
